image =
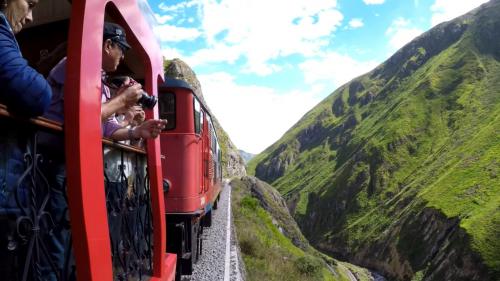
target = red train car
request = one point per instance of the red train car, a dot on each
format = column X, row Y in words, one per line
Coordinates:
column 116, row 236
column 192, row 171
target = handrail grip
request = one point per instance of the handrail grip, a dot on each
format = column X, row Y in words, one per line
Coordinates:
column 125, row 147
column 57, row 127
column 38, row 121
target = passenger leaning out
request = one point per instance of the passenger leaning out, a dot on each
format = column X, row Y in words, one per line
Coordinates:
column 113, row 52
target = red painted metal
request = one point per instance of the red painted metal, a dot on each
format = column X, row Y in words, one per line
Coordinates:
column 83, row 136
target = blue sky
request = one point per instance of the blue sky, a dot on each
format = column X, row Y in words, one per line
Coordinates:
column 263, row 64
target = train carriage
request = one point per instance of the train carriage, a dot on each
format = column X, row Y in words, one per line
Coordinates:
column 115, row 235
column 192, row 172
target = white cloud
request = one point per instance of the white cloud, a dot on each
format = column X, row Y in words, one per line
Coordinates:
column 262, row 69
column 445, row 10
column 179, row 6
column 216, row 53
column 374, row 2
column 162, row 19
column 254, row 30
column 356, row 23
column 171, row 53
column 335, row 68
column 401, row 33
column 258, row 32
column 254, row 116
column 171, row 33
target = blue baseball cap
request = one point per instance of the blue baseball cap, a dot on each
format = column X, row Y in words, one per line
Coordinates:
column 115, row 33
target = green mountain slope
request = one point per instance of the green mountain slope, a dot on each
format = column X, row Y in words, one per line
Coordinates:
column 272, row 246
column 399, row 170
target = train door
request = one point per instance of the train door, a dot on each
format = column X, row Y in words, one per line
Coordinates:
column 206, row 157
column 199, row 132
column 85, row 179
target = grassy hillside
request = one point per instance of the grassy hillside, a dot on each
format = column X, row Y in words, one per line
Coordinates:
column 271, row 243
column 399, row 169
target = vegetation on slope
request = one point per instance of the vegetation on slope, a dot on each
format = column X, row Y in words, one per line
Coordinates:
column 399, row 169
column 271, row 243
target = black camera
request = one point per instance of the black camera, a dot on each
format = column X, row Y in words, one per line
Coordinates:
column 146, row 101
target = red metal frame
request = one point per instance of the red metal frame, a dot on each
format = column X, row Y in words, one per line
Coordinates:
column 83, row 137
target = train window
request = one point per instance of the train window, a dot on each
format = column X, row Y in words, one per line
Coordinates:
column 198, row 120
column 167, row 109
column 202, row 120
column 213, row 136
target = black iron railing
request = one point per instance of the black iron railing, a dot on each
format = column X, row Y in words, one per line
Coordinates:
column 128, row 201
column 35, row 239
column 35, row 233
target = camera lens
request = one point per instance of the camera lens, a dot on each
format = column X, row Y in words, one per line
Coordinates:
column 147, row 101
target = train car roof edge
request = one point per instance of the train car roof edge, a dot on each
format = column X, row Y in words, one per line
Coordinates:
column 177, row 83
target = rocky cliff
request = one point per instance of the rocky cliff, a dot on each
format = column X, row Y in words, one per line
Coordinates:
column 233, row 164
column 398, row 170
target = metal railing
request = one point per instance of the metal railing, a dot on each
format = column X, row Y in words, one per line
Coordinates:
column 128, row 201
column 35, row 231
column 35, row 239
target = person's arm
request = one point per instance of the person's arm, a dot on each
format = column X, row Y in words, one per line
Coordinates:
column 23, row 89
column 150, row 129
column 124, row 99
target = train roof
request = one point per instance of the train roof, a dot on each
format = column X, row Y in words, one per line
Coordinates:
column 177, row 83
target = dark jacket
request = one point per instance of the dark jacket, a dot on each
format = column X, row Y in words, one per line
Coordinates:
column 22, row 88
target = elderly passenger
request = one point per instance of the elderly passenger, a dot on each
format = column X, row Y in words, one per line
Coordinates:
column 26, row 93
column 23, row 89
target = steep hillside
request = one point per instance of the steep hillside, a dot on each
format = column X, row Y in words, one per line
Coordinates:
column 399, row 169
column 271, row 243
column 246, row 156
column 233, row 164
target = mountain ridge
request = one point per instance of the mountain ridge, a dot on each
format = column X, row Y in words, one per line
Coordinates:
column 412, row 145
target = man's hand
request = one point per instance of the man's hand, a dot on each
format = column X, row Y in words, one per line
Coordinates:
column 126, row 97
column 150, row 129
column 130, row 95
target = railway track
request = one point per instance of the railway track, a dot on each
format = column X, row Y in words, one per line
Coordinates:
column 220, row 256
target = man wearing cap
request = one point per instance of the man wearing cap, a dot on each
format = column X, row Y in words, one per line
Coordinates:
column 113, row 51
